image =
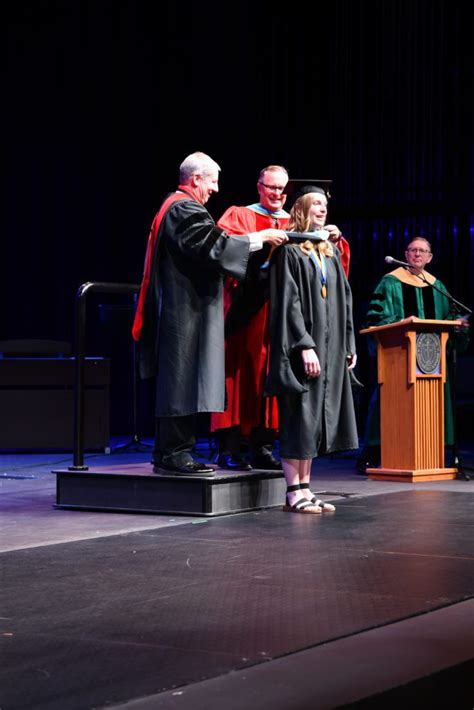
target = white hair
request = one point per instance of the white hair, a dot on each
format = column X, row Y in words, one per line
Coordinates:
column 196, row 164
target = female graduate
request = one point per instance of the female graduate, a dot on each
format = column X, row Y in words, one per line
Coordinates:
column 312, row 349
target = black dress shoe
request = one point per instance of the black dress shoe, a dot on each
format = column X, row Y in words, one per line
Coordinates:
column 233, row 462
column 192, row 468
column 266, row 462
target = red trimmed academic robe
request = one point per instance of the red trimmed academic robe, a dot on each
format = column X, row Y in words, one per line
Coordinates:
column 246, row 347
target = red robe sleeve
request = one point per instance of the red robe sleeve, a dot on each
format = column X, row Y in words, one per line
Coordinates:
column 344, row 248
column 236, row 221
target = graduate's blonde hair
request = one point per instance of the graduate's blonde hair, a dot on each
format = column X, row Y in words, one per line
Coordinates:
column 300, row 221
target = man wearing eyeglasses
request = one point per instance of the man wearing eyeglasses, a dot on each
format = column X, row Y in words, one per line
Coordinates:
column 400, row 294
column 179, row 322
column 249, row 416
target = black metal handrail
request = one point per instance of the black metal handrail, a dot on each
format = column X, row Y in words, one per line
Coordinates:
column 79, row 354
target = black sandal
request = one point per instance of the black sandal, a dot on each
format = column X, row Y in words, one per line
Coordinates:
column 302, row 505
column 324, row 507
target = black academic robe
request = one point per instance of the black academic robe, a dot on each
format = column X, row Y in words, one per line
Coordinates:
column 182, row 339
column 316, row 414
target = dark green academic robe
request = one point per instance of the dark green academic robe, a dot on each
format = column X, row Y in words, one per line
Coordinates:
column 392, row 301
column 316, row 414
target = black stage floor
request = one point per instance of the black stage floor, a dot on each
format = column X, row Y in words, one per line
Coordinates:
column 167, row 616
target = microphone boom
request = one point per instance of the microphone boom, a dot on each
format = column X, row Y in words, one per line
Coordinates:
column 391, row 260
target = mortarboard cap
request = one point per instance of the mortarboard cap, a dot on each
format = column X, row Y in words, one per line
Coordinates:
column 298, row 187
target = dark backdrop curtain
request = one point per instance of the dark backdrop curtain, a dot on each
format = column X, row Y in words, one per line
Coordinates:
column 104, row 99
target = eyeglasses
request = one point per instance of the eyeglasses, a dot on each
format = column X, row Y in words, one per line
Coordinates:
column 273, row 188
column 419, row 251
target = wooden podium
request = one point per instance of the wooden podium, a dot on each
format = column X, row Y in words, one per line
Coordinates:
column 411, row 371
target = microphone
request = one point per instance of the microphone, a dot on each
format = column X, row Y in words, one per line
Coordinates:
column 391, row 260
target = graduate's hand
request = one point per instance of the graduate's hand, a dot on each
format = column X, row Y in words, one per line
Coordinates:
column 277, row 237
column 334, row 232
column 312, row 367
column 351, row 361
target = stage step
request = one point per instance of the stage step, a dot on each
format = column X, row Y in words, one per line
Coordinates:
column 135, row 489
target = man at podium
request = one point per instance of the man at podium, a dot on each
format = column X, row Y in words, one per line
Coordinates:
column 402, row 293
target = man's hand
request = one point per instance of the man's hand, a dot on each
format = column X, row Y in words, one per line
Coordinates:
column 273, row 236
column 312, row 367
column 334, row 232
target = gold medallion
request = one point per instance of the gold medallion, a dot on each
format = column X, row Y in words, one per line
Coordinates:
column 324, row 292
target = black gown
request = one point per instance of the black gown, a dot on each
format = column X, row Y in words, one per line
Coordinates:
column 316, row 414
column 182, row 340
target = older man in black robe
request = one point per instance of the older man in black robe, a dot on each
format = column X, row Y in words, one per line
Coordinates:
column 180, row 317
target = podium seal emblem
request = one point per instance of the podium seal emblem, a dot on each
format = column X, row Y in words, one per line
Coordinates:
column 428, row 353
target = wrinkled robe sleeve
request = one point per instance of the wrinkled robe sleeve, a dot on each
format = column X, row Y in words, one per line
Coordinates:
column 288, row 332
column 235, row 221
column 191, row 232
column 242, row 221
